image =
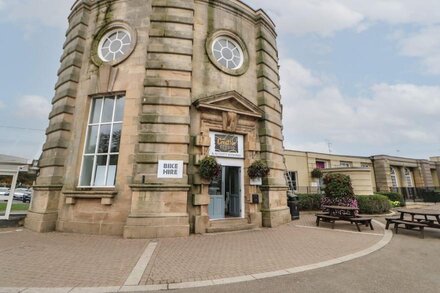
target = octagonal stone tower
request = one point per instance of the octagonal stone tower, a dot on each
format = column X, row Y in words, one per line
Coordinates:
column 146, row 89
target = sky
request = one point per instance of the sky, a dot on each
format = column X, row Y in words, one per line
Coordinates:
column 358, row 77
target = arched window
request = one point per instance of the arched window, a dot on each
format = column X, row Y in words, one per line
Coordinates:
column 408, row 178
column 394, row 178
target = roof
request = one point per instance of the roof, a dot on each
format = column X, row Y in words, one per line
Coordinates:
column 6, row 159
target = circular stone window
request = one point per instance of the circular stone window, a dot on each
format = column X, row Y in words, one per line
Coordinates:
column 115, row 45
column 228, row 53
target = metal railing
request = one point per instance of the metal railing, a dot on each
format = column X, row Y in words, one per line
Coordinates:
column 418, row 194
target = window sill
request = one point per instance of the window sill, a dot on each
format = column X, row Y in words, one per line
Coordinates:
column 105, row 194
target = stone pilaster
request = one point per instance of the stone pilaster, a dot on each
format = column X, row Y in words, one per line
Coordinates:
column 383, row 175
column 43, row 213
column 426, row 176
column 159, row 206
column 274, row 208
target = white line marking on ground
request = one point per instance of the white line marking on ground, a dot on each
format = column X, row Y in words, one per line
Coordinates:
column 136, row 274
column 386, row 238
column 339, row 230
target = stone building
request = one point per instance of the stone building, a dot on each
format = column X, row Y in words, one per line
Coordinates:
column 300, row 165
column 406, row 174
column 380, row 173
column 146, row 89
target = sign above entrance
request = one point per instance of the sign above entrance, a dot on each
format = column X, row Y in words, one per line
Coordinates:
column 170, row 169
column 226, row 145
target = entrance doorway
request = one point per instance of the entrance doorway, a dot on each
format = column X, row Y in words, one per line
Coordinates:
column 225, row 193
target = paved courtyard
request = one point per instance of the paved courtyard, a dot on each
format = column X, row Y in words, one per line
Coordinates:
column 72, row 260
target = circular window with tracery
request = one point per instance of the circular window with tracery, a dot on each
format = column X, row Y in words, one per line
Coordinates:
column 115, row 45
column 228, row 53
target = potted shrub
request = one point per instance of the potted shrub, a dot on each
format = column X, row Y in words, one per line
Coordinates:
column 338, row 191
column 256, row 171
column 209, row 168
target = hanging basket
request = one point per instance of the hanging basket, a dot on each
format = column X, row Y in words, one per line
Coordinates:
column 317, row 173
column 258, row 169
column 209, row 168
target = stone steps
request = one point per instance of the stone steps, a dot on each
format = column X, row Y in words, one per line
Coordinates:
column 230, row 225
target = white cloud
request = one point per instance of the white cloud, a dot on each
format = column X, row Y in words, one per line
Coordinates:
column 306, row 16
column 397, row 11
column 28, row 13
column 33, row 107
column 388, row 117
column 326, row 17
column 2, row 104
column 424, row 44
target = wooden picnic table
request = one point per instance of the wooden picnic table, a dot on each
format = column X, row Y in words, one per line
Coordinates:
column 428, row 218
column 342, row 213
column 427, row 215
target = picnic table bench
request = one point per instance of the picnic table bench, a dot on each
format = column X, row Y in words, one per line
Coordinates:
column 419, row 218
column 332, row 214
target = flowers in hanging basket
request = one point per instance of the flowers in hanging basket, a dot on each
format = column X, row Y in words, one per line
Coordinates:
column 258, row 169
column 317, row 173
column 209, row 168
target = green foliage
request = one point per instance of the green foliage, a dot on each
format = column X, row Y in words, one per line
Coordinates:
column 209, row 168
column 394, row 196
column 15, row 206
column 395, row 204
column 258, row 169
column 373, row 204
column 317, row 173
column 309, row 202
column 338, row 186
column 430, row 196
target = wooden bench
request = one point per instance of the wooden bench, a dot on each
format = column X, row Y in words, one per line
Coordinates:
column 326, row 218
column 364, row 221
column 390, row 220
column 409, row 225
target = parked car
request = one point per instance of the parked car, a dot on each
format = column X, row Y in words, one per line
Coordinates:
column 4, row 191
column 19, row 193
column 27, row 197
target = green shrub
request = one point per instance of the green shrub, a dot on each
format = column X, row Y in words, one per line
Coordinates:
column 316, row 173
column 338, row 186
column 373, row 204
column 430, row 196
column 394, row 196
column 209, row 168
column 258, row 169
column 309, row 202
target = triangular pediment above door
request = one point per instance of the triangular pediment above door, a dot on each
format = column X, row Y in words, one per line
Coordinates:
column 229, row 102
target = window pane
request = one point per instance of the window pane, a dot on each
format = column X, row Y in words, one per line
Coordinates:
column 101, row 164
column 86, row 176
column 91, row 139
column 104, row 139
column 111, row 176
column 96, row 110
column 107, row 112
column 116, row 138
column 119, row 112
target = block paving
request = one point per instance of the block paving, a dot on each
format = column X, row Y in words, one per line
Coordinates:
column 71, row 260
column 31, row 259
column 299, row 243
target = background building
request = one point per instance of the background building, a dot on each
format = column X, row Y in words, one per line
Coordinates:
column 145, row 90
column 381, row 173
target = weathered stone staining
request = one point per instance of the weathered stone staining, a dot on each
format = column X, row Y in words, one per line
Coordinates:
column 187, row 70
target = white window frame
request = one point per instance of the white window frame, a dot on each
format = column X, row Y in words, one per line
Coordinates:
column 290, row 180
column 394, row 178
column 96, row 154
column 408, row 178
column 345, row 164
